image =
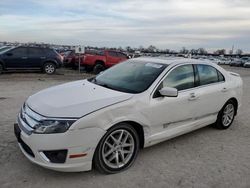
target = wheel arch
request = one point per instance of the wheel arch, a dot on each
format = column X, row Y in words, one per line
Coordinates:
column 101, row 62
column 235, row 101
column 49, row 61
column 139, row 129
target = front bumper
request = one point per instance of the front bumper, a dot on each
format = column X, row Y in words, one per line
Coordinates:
column 77, row 142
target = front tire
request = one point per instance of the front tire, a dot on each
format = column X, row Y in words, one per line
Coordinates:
column 49, row 68
column 98, row 68
column 117, row 149
column 226, row 115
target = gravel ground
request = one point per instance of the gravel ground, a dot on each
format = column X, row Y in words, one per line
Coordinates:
column 204, row 158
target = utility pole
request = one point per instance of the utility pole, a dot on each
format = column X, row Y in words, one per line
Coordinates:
column 233, row 49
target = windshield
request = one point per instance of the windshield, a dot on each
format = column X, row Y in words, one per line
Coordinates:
column 3, row 49
column 129, row 76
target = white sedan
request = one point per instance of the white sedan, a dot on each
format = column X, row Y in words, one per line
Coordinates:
column 104, row 121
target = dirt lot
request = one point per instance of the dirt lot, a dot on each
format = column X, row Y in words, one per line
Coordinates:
column 204, row 158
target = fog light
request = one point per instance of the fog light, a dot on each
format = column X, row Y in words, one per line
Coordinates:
column 56, row 156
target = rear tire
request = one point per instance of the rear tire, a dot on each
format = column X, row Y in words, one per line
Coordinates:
column 117, row 150
column 49, row 68
column 226, row 115
column 98, row 68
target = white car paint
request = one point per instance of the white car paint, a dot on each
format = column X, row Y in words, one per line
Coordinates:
column 74, row 99
column 99, row 108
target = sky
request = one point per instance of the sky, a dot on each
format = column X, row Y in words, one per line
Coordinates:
column 166, row 24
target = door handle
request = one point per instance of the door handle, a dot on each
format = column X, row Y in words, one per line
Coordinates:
column 224, row 89
column 192, row 97
column 24, row 57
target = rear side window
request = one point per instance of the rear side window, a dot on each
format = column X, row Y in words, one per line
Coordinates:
column 180, row 78
column 36, row 52
column 121, row 55
column 114, row 54
column 49, row 52
column 209, row 74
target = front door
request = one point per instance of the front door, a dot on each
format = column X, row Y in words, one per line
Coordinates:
column 16, row 58
column 170, row 115
column 112, row 58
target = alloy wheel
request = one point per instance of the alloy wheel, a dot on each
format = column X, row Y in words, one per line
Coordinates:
column 118, row 148
column 49, row 68
column 228, row 115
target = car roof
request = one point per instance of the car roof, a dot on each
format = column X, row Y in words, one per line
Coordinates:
column 170, row 60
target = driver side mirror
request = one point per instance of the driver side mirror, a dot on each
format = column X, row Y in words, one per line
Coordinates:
column 168, row 92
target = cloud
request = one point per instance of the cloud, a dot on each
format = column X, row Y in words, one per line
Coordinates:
column 164, row 23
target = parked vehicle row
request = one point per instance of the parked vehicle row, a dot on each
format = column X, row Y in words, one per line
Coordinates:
column 48, row 60
column 237, row 62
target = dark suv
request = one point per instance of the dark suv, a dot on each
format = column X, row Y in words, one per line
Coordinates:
column 29, row 58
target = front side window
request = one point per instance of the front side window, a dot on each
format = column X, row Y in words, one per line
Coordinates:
column 209, row 74
column 180, row 78
column 19, row 52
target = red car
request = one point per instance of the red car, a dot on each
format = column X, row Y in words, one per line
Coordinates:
column 100, row 60
column 71, row 59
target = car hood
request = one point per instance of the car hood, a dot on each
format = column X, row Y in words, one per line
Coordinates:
column 74, row 99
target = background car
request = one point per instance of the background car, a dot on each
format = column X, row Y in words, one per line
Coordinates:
column 247, row 64
column 236, row 62
column 101, row 59
column 30, row 58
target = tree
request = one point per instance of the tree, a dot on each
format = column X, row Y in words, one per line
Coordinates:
column 184, row 50
column 152, row 48
column 129, row 49
column 220, row 52
column 193, row 51
column 239, row 52
column 201, row 51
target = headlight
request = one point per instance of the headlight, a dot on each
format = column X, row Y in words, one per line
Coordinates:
column 53, row 126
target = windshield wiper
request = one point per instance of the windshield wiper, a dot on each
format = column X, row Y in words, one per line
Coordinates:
column 105, row 85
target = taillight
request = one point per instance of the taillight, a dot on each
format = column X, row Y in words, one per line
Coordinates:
column 60, row 57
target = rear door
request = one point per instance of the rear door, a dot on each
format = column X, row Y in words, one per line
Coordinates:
column 112, row 58
column 210, row 93
column 35, row 57
column 122, row 57
column 16, row 58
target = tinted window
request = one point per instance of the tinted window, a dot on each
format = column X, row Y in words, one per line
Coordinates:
column 113, row 54
column 209, row 74
column 36, row 52
column 130, row 76
column 121, row 55
column 19, row 52
column 180, row 78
